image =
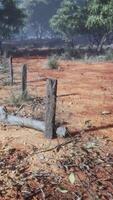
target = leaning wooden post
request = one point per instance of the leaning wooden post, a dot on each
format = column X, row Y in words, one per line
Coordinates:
column 50, row 131
column 24, row 80
column 11, row 70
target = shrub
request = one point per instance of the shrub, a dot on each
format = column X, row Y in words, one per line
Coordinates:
column 52, row 62
column 109, row 55
column 17, row 99
column 4, row 68
column 6, row 82
column 66, row 56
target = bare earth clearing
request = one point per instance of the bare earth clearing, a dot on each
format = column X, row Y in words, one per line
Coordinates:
column 85, row 102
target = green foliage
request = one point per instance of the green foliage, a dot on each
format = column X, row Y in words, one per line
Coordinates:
column 4, row 68
column 17, row 99
column 52, row 62
column 95, row 18
column 100, row 19
column 107, row 56
column 39, row 13
column 69, row 54
column 11, row 18
column 94, row 59
column 68, row 20
column 100, row 14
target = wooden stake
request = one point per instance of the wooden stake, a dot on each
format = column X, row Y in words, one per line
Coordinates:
column 11, row 70
column 50, row 131
column 5, row 53
column 24, row 80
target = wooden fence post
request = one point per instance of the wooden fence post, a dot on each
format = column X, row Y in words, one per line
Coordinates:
column 50, row 129
column 24, row 80
column 11, row 70
column 5, row 57
column 5, row 53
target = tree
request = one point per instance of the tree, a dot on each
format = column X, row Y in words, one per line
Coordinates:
column 38, row 18
column 11, row 18
column 40, row 12
column 69, row 20
column 100, row 20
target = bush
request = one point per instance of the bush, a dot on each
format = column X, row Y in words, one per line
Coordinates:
column 109, row 55
column 6, row 82
column 94, row 59
column 52, row 62
column 17, row 99
column 4, row 68
column 66, row 56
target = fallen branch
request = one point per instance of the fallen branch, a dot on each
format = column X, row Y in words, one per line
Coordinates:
column 20, row 121
column 59, row 146
column 27, row 122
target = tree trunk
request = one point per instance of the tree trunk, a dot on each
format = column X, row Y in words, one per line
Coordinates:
column 100, row 46
column 11, row 71
column 103, row 40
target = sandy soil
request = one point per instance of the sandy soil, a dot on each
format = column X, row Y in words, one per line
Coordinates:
column 85, row 101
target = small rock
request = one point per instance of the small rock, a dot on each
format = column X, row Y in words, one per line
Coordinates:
column 62, row 131
column 106, row 112
column 41, row 157
column 88, row 124
column 26, row 194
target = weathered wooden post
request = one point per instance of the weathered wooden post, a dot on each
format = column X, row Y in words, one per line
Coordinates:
column 50, row 129
column 24, row 80
column 5, row 58
column 11, row 70
column 5, row 53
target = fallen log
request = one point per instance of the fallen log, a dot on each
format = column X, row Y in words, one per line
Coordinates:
column 20, row 121
column 28, row 123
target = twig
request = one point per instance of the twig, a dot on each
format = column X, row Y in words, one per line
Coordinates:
column 19, row 109
column 59, row 145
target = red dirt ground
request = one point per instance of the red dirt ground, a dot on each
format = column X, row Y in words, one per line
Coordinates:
column 85, row 91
